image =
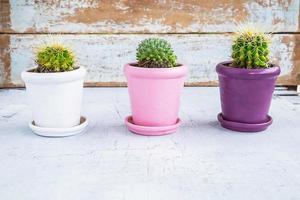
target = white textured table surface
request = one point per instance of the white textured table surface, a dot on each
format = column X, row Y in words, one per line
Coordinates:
column 107, row 162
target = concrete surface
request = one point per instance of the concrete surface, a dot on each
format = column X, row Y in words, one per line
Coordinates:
column 201, row 161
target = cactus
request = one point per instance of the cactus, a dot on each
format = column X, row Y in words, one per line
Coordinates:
column 250, row 49
column 155, row 53
column 54, row 58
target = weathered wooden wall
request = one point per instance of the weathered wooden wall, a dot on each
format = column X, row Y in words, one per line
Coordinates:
column 104, row 34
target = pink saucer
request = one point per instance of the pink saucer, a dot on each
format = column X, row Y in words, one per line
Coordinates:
column 244, row 127
column 151, row 130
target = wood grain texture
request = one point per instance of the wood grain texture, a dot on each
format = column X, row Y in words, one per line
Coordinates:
column 294, row 77
column 5, row 65
column 5, row 24
column 105, row 33
column 142, row 16
column 105, row 55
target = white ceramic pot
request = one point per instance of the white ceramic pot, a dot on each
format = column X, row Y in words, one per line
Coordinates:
column 55, row 98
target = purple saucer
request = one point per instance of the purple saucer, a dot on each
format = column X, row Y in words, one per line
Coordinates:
column 244, row 127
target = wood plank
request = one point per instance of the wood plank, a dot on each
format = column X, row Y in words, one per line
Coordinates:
column 5, row 60
column 293, row 78
column 105, row 55
column 5, row 24
column 135, row 16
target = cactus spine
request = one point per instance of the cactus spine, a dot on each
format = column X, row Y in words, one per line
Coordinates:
column 155, row 53
column 250, row 49
column 54, row 58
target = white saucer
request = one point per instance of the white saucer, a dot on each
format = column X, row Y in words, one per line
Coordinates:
column 59, row 132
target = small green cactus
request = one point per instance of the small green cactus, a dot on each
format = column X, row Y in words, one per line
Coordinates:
column 54, row 58
column 250, row 49
column 155, row 53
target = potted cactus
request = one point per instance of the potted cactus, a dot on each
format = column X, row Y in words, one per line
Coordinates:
column 154, row 83
column 247, row 82
column 54, row 90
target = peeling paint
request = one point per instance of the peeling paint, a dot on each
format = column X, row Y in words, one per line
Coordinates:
column 281, row 16
column 105, row 55
column 172, row 14
column 5, row 23
column 5, row 64
column 185, row 16
column 294, row 77
column 285, row 4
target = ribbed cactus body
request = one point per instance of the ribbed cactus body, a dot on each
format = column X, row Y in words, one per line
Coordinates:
column 250, row 50
column 155, row 53
column 54, row 58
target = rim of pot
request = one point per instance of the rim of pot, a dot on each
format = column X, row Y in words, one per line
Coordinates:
column 224, row 69
column 159, row 73
column 34, row 77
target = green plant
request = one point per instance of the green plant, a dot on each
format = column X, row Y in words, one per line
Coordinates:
column 155, row 53
column 54, row 58
column 250, row 49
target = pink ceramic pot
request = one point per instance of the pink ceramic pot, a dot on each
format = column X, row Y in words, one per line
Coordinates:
column 155, row 94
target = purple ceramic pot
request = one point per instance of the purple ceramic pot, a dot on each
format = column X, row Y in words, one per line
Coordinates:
column 246, row 96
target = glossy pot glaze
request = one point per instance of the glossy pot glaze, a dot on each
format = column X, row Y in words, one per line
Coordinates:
column 246, row 93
